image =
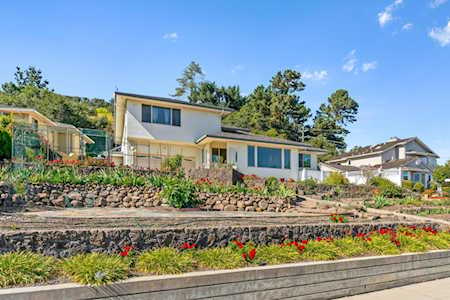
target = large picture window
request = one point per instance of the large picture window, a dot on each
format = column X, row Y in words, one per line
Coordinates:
column 161, row 115
column 304, row 160
column 269, row 158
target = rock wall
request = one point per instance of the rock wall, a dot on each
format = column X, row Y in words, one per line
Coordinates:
column 64, row 243
column 243, row 202
column 95, row 195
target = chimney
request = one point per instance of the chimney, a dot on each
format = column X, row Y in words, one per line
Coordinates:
column 393, row 139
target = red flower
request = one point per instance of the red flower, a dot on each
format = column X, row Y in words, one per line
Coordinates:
column 128, row 248
column 244, row 256
column 239, row 244
column 319, row 239
column 124, row 253
column 188, row 246
column 305, row 242
column 252, row 254
column 301, row 248
column 282, row 180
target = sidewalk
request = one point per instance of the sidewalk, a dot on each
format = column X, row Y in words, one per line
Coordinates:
column 430, row 290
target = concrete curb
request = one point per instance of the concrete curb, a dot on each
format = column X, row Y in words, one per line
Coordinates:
column 311, row 280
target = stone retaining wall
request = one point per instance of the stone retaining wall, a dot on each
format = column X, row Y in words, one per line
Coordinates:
column 320, row 280
column 63, row 243
column 95, row 195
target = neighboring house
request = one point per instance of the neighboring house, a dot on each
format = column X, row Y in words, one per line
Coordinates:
column 151, row 129
column 64, row 140
column 396, row 159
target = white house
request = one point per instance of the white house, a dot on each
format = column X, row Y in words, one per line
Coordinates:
column 396, row 159
column 150, row 129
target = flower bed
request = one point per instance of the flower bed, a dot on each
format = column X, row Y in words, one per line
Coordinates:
column 98, row 268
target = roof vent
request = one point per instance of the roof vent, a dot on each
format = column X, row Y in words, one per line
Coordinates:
column 393, row 139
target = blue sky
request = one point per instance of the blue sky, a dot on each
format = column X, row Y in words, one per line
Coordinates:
column 392, row 55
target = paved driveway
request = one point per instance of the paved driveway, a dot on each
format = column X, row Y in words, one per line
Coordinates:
column 430, row 290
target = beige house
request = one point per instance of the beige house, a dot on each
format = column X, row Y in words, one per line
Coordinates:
column 64, row 139
column 396, row 159
column 151, row 129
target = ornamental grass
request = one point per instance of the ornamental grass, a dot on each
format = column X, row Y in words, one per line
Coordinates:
column 165, row 261
column 25, row 268
column 95, row 268
column 218, row 259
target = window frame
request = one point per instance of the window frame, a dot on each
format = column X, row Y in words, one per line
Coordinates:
column 251, row 149
column 287, row 159
column 259, row 158
column 301, row 162
column 148, row 114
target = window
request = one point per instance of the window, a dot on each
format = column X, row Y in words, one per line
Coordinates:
column 146, row 113
column 417, row 177
column 304, row 160
column 219, row 155
column 34, row 124
column 176, row 117
column 287, row 158
column 251, row 156
column 160, row 115
column 269, row 158
column 405, row 175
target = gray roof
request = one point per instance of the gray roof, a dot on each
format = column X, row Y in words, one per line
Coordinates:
column 371, row 149
column 177, row 101
column 258, row 138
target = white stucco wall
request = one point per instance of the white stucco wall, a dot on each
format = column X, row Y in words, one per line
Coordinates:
column 365, row 161
column 194, row 124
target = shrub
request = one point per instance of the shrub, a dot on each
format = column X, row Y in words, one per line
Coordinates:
column 407, row 184
column 275, row 254
column 308, row 185
column 172, row 164
column 386, row 187
column 350, row 246
column 219, row 258
column 95, row 268
column 418, row 187
column 25, row 268
column 165, row 261
column 271, row 184
column 336, row 178
column 380, row 182
column 381, row 201
column 179, row 192
column 320, row 250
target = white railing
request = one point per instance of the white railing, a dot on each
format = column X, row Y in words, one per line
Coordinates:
column 304, row 174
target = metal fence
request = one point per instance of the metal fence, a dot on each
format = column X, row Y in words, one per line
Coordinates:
column 66, row 142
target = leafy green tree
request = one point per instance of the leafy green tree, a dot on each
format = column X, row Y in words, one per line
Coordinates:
column 30, row 90
column 441, row 173
column 275, row 110
column 5, row 137
column 333, row 117
column 23, row 78
column 188, row 82
column 197, row 90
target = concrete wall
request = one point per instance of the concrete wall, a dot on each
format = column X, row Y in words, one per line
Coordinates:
column 320, row 280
